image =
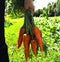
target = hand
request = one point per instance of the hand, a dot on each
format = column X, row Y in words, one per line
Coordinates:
column 32, row 9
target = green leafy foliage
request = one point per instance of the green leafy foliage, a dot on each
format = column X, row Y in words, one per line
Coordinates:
column 51, row 38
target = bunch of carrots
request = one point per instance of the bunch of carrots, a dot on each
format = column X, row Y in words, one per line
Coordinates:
column 30, row 35
column 26, row 39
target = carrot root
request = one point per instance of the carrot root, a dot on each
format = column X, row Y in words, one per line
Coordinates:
column 38, row 36
column 20, row 38
column 26, row 39
column 34, row 47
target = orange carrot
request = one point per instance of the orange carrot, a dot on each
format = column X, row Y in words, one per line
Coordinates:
column 38, row 36
column 26, row 39
column 34, row 47
column 20, row 38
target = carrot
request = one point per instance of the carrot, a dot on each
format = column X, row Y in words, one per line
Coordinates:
column 26, row 39
column 34, row 47
column 37, row 45
column 20, row 38
column 38, row 36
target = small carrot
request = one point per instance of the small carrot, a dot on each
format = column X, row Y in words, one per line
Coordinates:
column 26, row 39
column 37, row 45
column 34, row 47
column 20, row 38
column 38, row 37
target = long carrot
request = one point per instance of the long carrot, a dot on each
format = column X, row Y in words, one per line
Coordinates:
column 26, row 39
column 34, row 46
column 20, row 38
column 37, row 45
column 38, row 36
